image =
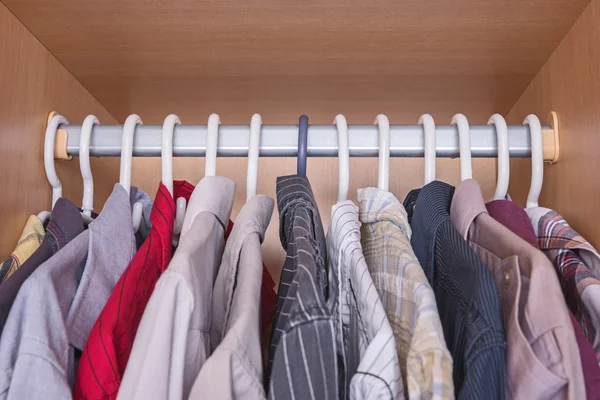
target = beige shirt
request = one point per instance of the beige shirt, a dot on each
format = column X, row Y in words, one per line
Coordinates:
column 407, row 296
column 173, row 339
column 542, row 355
column 234, row 370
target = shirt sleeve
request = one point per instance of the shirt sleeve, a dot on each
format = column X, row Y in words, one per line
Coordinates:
column 157, row 362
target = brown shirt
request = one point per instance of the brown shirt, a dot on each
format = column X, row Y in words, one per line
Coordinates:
column 542, row 355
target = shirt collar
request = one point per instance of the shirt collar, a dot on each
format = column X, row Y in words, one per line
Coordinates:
column 376, row 205
column 137, row 195
column 467, row 204
column 33, row 227
column 64, row 225
column 214, row 194
column 431, row 204
column 554, row 233
column 254, row 218
column 111, row 247
column 294, row 191
column 162, row 216
column 344, row 224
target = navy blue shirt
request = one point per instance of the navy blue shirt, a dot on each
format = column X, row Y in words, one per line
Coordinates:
column 465, row 292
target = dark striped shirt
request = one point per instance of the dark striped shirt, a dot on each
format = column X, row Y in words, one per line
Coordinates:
column 465, row 292
column 302, row 355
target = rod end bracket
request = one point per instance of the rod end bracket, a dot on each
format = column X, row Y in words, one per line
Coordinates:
column 551, row 144
column 60, row 141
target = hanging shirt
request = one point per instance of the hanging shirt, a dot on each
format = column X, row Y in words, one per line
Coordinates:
column 65, row 223
column 234, row 369
column 407, row 296
column 30, row 240
column 109, row 345
column 366, row 345
column 578, row 266
column 173, row 338
column 465, row 293
column 302, row 354
column 542, row 355
column 514, row 217
column 57, row 306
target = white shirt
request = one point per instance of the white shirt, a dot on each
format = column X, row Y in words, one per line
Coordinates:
column 173, row 339
column 365, row 338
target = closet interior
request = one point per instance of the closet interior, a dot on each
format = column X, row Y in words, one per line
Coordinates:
column 283, row 59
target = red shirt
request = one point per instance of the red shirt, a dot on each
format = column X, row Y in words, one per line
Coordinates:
column 108, row 347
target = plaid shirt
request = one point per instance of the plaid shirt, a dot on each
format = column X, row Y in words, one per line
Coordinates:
column 577, row 264
column 407, row 296
column 30, row 240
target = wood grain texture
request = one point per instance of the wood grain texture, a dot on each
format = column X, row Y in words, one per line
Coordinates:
column 175, row 56
column 32, row 83
column 569, row 83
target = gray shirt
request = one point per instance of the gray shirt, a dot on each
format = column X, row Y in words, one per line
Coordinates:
column 58, row 305
column 303, row 353
column 234, row 370
column 65, row 224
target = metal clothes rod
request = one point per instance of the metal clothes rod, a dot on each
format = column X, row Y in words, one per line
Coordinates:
column 282, row 140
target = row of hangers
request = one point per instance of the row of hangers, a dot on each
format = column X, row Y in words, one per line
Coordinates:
column 381, row 121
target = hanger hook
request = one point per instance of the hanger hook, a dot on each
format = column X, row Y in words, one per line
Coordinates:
column 383, row 125
column 126, row 160
column 343, row 157
column 212, row 141
column 503, row 156
column 428, row 124
column 167, row 171
column 49, row 156
column 253, row 149
column 537, row 160
column 302, row 144
column 87, row 204
column 464, row 138
column 129, row 127
column 166, row 152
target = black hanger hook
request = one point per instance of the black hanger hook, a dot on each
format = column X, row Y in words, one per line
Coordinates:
column 302, row 144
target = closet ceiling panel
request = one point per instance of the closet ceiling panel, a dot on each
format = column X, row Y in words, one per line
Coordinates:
column 159, row 56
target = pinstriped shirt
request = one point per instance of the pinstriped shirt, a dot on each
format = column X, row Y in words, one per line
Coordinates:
column 364, row 336
column 465, row 292
column 302, row 355
column 407, row 296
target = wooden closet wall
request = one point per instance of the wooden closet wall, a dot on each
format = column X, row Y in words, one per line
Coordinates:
column 404, row 74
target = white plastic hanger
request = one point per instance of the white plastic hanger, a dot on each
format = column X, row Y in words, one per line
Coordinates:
column 50, row 168
column 343, row 157
column 87, row 203
column 384, row 151
column 503, row 156
column 253, row 148
column 167, row 171
column 430, row 151
column 126, row 159
column 537, row 160
column 464, row 138
column 212, row 141
column 49, row 163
